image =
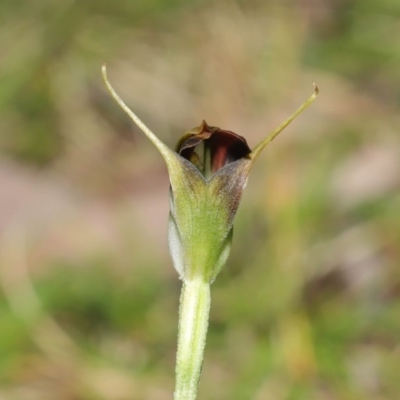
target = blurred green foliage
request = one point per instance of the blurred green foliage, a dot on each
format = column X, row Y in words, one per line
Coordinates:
column 308, row 306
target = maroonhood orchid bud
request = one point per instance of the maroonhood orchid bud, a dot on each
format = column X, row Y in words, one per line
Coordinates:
column 203, row 206
column 208, row 172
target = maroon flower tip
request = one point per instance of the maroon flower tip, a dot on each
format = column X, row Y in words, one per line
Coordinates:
column 224, row 147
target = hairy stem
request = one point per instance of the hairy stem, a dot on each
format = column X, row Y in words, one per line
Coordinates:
column 193, row 323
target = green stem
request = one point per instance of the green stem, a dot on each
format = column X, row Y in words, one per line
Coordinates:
column 193, row 323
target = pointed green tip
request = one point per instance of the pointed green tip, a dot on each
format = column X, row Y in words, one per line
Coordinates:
column 316, row 90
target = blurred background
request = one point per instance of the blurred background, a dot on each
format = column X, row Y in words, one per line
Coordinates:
column 308, row 306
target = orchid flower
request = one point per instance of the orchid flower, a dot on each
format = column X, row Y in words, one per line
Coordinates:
column 208, row 173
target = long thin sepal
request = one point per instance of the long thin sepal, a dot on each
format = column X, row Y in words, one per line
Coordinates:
column 260, row 147
column 164, row 149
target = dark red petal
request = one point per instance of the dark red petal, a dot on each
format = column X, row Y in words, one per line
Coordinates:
column 225, row 146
